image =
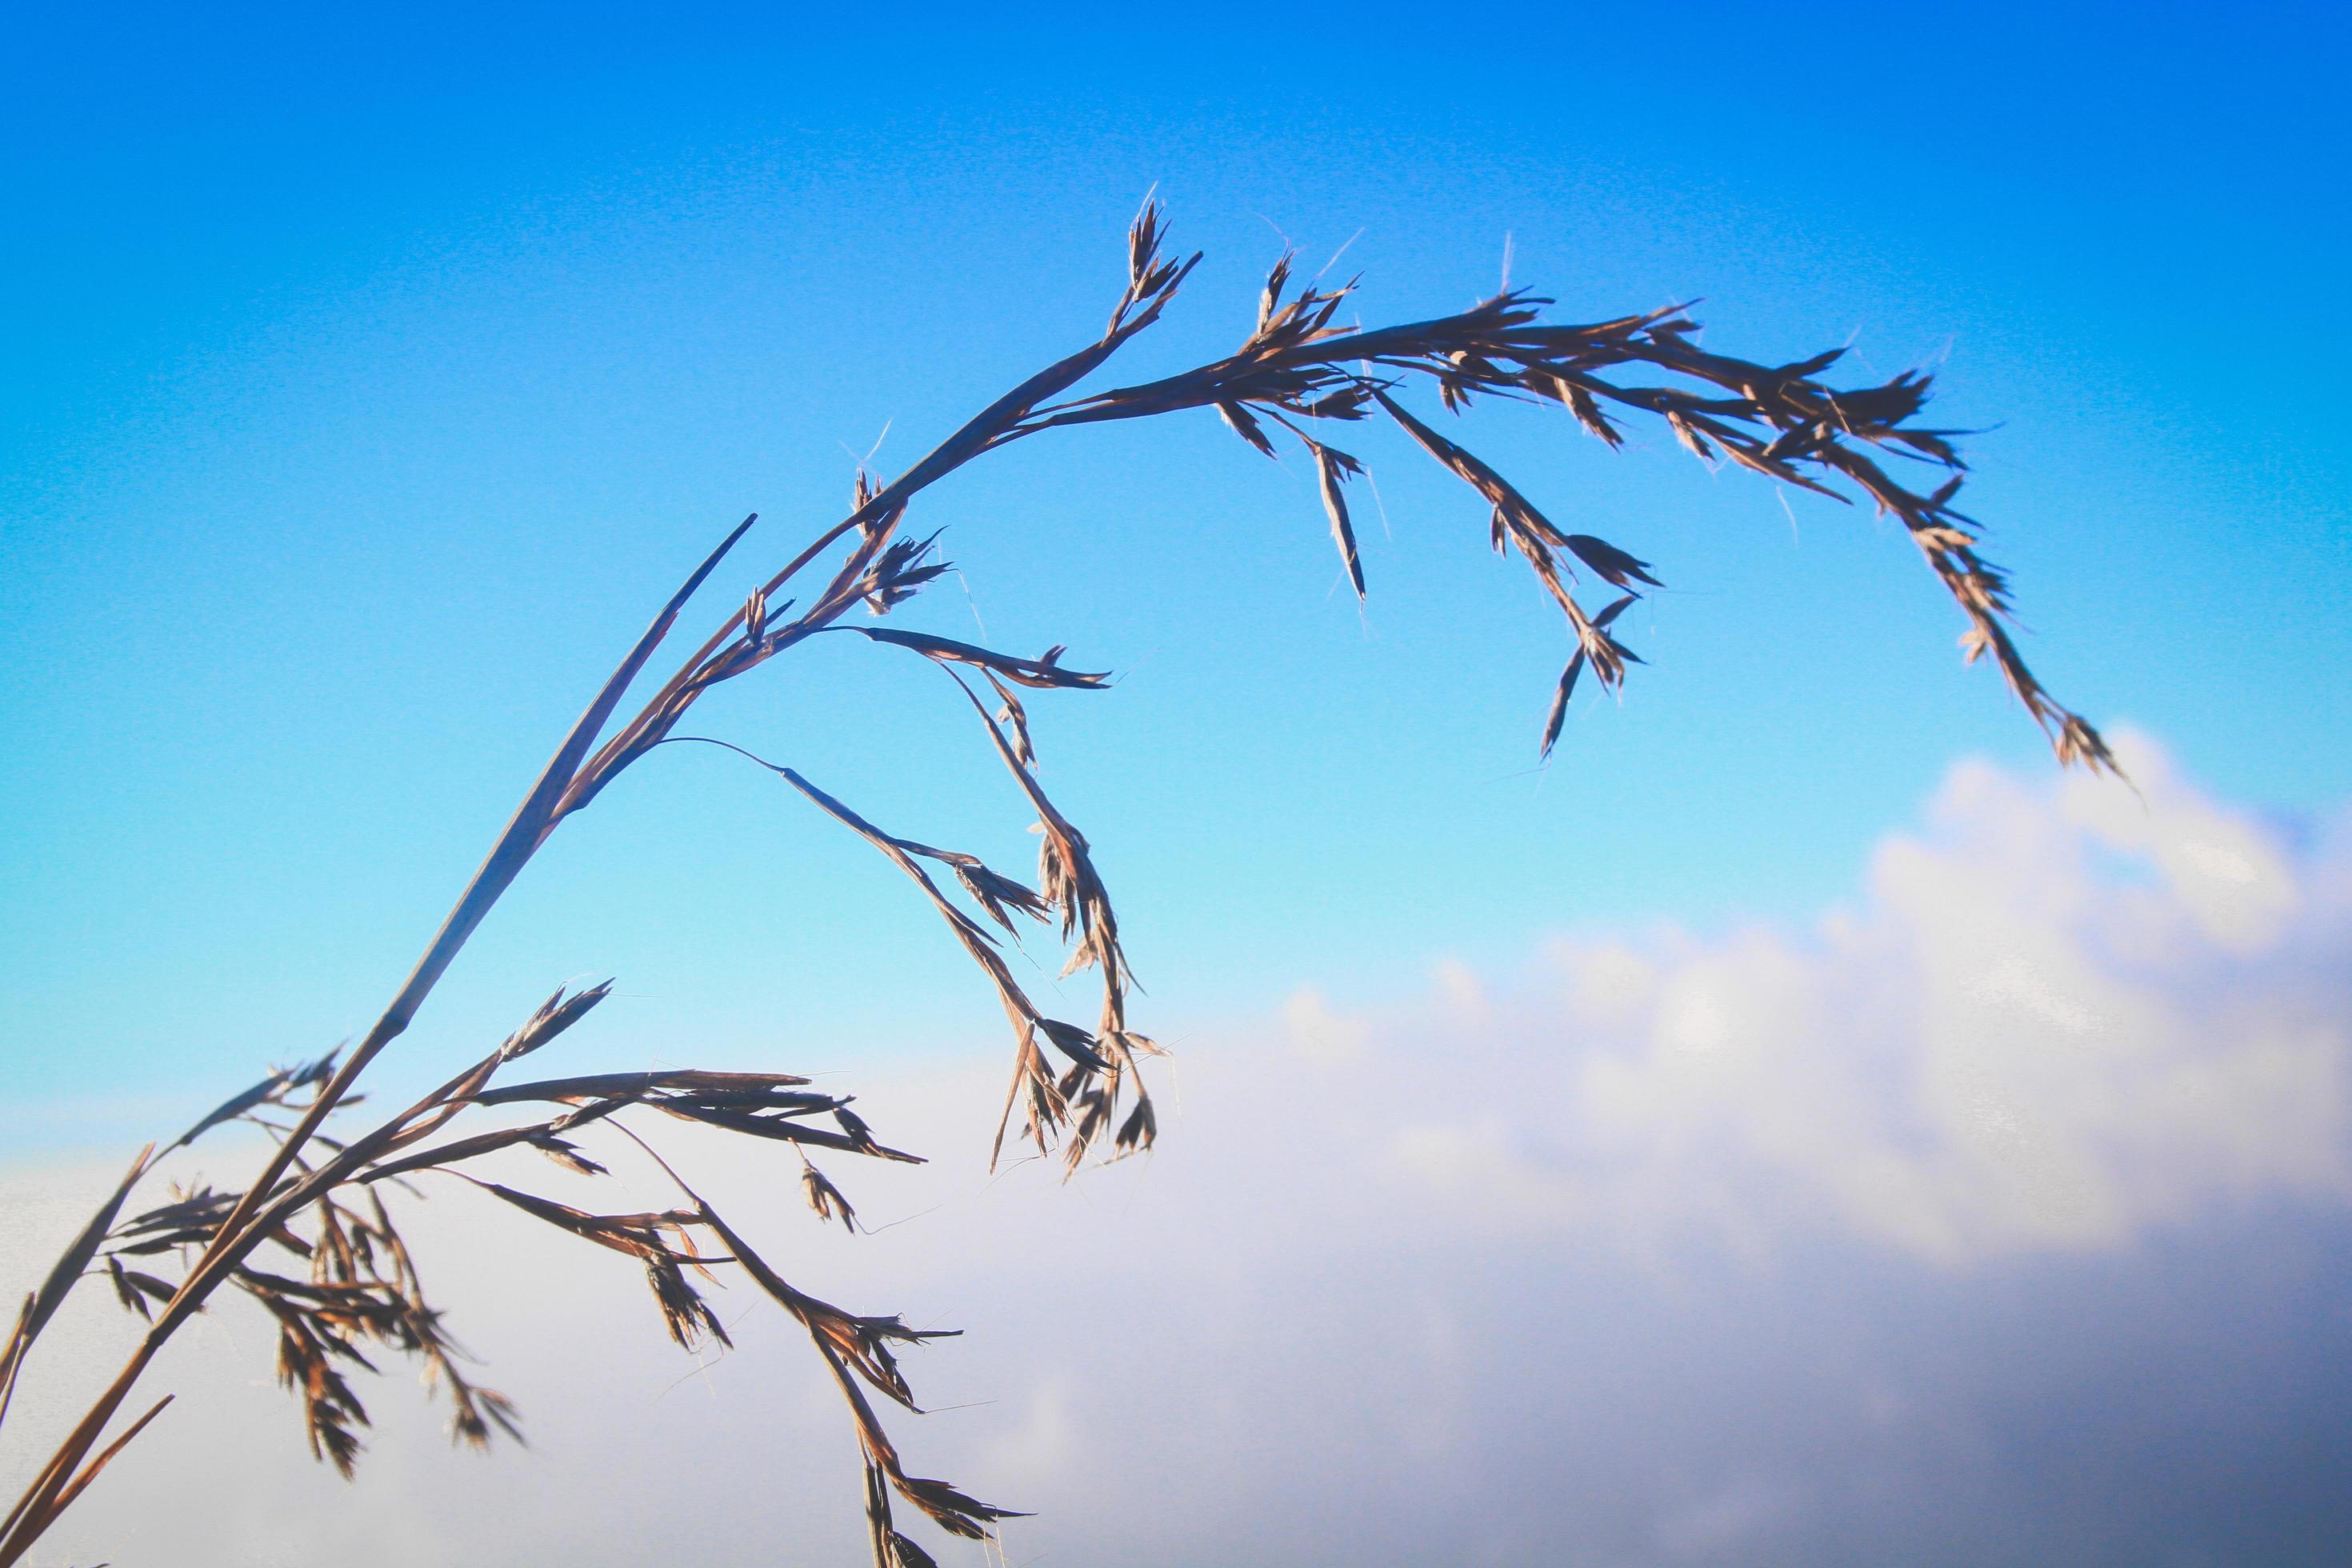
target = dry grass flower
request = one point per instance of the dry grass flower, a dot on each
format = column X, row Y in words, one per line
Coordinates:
column 311, row 1240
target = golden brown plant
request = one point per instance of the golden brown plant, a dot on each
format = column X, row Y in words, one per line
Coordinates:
column 345, row 1281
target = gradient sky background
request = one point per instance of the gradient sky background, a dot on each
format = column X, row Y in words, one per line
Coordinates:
column 365, row 382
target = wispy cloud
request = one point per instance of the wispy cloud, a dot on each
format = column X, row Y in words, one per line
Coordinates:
column 1999, row 1217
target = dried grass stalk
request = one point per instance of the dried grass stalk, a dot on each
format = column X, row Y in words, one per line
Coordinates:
column 345, row 1285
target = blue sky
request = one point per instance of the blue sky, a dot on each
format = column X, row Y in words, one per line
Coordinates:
column 1881, row 1147
column 368, row 382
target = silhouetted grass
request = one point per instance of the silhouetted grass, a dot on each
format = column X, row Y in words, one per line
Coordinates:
column 344, row 1282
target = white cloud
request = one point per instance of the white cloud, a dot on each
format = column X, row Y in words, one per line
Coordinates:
column 1996, row 1219
column 2062, row 1014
